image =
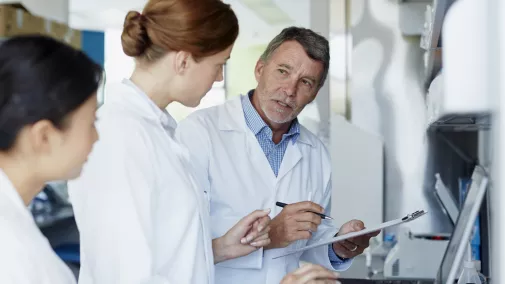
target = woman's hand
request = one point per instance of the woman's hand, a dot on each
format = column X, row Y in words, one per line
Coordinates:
column 249, row 234
column 311, row 274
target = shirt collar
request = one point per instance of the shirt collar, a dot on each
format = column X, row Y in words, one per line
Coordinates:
column 8, row 190
column 165, row 118
column 256, row 123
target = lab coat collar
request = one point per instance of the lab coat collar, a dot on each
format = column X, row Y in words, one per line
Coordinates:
column 232, row 119
column 148, row 107
column 7, row 189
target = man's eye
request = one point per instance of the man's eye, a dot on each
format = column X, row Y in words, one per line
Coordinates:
column 282, row 71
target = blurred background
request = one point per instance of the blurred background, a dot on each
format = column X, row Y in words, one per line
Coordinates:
column 401, row 137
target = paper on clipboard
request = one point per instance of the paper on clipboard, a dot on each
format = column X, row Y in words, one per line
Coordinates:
column 406, row 219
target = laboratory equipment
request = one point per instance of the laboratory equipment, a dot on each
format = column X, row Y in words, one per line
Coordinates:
column 458, row 244
column 462, row 231
column 469, row 274
column 408, row 257
column 444, row 194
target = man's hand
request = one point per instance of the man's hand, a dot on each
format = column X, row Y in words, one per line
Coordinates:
column 354, row 246
column 248, row 235
column 294, row 222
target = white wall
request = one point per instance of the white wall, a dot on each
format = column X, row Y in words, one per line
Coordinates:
column 357, row 173
column 255, row 31
column 388, row 100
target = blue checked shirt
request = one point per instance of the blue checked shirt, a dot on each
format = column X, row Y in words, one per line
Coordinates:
column 273, row 152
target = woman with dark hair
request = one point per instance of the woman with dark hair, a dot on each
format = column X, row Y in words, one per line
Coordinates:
column 47, row 115
column 140, row 208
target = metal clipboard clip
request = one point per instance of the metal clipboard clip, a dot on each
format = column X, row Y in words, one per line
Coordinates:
column 414, row 215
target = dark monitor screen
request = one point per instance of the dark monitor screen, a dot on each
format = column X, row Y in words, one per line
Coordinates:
column 460, row 237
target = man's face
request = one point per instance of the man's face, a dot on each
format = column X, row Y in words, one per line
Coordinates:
column 287, row 82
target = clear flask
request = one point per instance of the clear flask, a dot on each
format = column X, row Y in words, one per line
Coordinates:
column 469, row 274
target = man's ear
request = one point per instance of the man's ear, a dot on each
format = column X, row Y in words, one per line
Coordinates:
column 43, row 136
column 258, row 70
column 182, row 62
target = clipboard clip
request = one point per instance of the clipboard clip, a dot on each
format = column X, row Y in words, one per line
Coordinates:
column 414, row 215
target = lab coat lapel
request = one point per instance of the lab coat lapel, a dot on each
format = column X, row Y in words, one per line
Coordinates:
column 11, row 196
column 233, row 120
column 292, row 156
column 259, row 160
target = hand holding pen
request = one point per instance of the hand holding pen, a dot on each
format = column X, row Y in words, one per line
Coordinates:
column 282, row 204
column 296, row 221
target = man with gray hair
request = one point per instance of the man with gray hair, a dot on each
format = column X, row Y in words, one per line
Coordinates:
column 251, row 152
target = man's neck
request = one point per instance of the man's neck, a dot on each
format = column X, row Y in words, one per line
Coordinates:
column 278, row 130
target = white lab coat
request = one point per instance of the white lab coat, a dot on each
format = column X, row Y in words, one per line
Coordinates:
column 25, row 254
column 238, row 179
column 140, row 215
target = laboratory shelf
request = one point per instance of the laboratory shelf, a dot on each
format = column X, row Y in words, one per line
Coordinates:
column 431, row 38
column 462, row 122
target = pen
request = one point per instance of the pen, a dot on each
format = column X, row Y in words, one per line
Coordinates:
column 280, row 204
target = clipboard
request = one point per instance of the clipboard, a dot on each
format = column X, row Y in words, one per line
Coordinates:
column 406, row 219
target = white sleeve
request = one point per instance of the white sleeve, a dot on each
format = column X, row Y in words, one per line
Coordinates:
column 326, row 230
column 112, row 204
column 17, row 263
column 17, row 269
column 193, row 134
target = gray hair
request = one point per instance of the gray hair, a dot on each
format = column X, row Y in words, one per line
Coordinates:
column 315, row 45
